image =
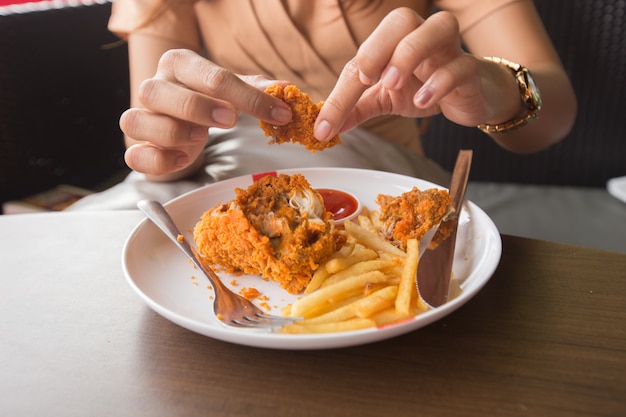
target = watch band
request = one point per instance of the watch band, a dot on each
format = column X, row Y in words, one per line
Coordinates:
column 529, row 94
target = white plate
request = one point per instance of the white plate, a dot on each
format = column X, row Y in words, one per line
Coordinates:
column 166, row 281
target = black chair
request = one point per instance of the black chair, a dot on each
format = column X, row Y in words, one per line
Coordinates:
column 63, row 85
column 590, row 36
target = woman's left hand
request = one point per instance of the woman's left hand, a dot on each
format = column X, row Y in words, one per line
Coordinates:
column 414, row 68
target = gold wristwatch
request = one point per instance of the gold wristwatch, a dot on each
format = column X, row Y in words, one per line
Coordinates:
column 529, row 94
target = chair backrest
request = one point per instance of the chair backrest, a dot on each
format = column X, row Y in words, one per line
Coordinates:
column 590, row 36
column 63, row 85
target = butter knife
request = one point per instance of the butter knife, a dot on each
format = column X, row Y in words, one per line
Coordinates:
column 434, row 271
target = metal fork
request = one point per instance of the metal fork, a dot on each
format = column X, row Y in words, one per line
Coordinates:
column 231, row 309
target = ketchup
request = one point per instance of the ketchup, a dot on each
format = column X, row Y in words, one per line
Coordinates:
column 339, row 203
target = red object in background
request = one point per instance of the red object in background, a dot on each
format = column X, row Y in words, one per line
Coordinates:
column 9, row 2
column 23, row 6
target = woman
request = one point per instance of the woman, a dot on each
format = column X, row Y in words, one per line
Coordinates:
column 198, row 70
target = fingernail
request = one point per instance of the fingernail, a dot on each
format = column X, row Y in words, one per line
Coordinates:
column 365, row 79
column 423, row 96
column 322, row 131
column 391, row 77
column 224, row 116
column 280, row 114
column 198, row 133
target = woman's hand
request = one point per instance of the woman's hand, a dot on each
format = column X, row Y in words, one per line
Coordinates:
column 188, row 95
column 416, row 68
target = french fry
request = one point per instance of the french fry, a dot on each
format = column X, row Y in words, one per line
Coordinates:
column 321, row 273
column 359, row 255
column 339, row 314
column 334, row 293
column 407, row 282
column 396, row 273
column 372, row 240
column 319, row 276
column 358, row 269
column 361, row 307
column 345, row 250
column 375, row 302
column 366, row 223
column 421, row 304
column 326, row 308
column 342, row 326
column 390, row 316
column 375, row 219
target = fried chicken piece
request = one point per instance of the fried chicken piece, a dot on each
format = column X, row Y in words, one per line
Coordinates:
column 412, row 214
column 277, row 228
column 300, row 128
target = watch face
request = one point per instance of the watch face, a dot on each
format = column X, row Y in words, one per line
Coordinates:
column 532, row 95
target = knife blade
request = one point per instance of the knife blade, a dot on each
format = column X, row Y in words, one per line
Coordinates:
column 434, row 271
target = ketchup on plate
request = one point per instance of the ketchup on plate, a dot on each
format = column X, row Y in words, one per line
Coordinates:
column 340, row 203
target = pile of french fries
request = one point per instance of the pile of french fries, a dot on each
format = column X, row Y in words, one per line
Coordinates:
column 369, row 282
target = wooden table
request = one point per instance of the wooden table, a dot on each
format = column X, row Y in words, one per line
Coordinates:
column 545, row 337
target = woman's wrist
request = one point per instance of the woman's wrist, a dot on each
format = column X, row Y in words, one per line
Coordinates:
column 527, row 99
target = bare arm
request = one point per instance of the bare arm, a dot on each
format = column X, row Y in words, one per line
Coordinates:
column 522, row 38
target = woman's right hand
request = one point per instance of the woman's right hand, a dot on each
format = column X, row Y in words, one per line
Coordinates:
column 188, row 95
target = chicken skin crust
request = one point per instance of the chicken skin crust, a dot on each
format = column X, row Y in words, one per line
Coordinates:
column 300, row 128
column 277, row 228
column 413, row 214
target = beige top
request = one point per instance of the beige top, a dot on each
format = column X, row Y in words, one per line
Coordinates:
column 305, row 42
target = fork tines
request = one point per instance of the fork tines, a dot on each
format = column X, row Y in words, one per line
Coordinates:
column 264, row 321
